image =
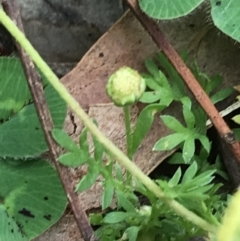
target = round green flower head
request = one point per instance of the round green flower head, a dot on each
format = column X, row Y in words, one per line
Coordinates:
column 125, row 86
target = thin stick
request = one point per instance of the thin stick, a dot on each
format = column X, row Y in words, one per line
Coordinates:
column 35, row 86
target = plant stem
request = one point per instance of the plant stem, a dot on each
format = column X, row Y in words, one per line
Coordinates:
column 74, row 105
column 126, row 111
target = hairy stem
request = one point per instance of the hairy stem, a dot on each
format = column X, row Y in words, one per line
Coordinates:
column 74, row 105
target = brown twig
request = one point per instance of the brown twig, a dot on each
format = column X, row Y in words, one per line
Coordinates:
column 203, row 99
column 35, row 86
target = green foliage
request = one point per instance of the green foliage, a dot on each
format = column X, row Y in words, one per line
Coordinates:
column 168, row 9
column 132, row 220
column 14, row 89
column 9, row 230
column 31, row 195
column 21, row 136
column 194, row 116
column 224, row 13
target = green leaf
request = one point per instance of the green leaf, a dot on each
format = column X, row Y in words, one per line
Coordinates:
column 236, row 119
column 73, row 159
column 98, row 147
column 22, row 135
column 188, row 117
column 204, row 178
column 95, row 218
column 118, row 171
column 9, row 230
column 116, row 217
column 152, row 68
column 107, row 194
column 169, row 142
column 150, row 97
column 168, row 9
column 178, row 87
column 151, row 82
column 123, row 202
column 83, row 140
column 190, row 173
column 172, row 123
column 215, row 82
column 236, row 132
column 221, row 95
column 176, row 158
column 176, row 178
column 143, row 125
column 34, row 196
column 205, row 142
column 226, row 17
column 132, row 233
column 64, row 140
column 14, row 92
column 188, row 149
column 89, row 179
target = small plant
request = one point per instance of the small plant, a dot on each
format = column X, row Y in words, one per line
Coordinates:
column 152, row 219
column 170, row 202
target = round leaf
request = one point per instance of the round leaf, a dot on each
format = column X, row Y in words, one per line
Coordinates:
column 32, row 195
column 168, row 9
column 8, row 228
column 22, row 135
column 225, row 15
column 14, row 93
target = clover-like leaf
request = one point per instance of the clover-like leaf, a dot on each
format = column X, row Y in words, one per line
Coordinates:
column 226, row 17
column 9, row 229
column 32, row 195
column 22, row 135
column 168, row 9
column 14, row 92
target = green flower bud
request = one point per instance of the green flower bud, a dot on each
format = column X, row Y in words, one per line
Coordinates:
column 125, row 86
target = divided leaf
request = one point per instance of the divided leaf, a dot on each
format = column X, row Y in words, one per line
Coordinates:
column 64, row 140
